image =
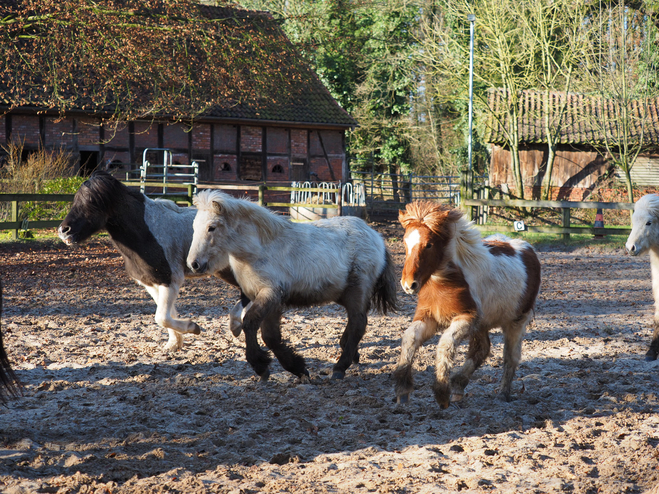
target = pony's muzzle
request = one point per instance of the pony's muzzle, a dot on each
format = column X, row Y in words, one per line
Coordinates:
column 410, row 288
column 64, row 231
column 632, row 249
column 198, row 267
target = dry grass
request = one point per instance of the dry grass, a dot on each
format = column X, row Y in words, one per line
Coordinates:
column 30, row 175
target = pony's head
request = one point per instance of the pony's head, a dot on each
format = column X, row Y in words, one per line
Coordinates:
column 645, row 225
column 92, row 206
column 429, row 230
column 208, row 252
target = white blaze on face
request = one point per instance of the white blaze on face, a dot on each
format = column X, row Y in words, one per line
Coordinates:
column 412, row 240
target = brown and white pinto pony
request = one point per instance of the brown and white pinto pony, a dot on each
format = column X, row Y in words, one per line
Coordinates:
column 466, row 286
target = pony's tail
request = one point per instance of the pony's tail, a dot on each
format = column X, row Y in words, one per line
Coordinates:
column 385, row 296
column 9, row 383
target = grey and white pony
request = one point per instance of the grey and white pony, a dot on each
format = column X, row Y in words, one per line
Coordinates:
column 278, row 263
column 644, row 237
column 153, row 238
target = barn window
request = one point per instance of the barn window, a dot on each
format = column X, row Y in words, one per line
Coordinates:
column 226, row 167
column 277, row 169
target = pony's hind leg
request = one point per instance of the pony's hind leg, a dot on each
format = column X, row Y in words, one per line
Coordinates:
column 479, row 349
column 418, row 333
column 352, row 335
column 513, row 334
column 461, row 327
column 288, row 358
column 653, row 351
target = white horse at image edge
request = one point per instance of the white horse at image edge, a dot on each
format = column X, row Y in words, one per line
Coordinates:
column 644, row 237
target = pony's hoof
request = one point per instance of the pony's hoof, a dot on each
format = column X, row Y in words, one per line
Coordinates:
column 650, row 358
column 305, row 379
column 505, row 397
column 338, row 375
column 456, row 397
column 443, row 404
column 196, row 329
column 236, row 320
column 265, row 376
column 403, row 399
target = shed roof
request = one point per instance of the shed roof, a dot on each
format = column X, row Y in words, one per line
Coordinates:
column 585, row 120
column 157, row 58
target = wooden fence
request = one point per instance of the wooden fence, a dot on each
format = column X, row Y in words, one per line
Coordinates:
column 15, row 224
column 474, row 203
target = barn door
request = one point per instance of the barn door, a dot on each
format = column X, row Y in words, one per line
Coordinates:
column 299, row 170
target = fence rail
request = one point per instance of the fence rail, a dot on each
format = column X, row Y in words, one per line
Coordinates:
column 476, row 205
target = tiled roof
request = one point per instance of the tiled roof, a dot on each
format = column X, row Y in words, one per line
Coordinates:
column 279, row 87
column 583, row 122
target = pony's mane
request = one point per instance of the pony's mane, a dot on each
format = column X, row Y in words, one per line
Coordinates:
column 101, row 191
column 446, row 222
column 650, row 203
column 236, row 211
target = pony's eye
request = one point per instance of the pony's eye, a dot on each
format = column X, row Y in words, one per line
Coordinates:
column 648, row 223
column 429, row 245
column 211, row 229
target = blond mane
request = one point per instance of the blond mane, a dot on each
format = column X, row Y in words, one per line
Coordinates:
column 649, row 203
column 447, row 223
column 237, row 211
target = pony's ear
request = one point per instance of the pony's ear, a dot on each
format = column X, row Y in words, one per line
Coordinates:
column 453, row 215
column 217, row 207
column 404, row 218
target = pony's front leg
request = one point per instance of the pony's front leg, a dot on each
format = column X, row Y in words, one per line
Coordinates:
column 265, row 303
column 461, row 326
column 416, row 335
column 166, row 316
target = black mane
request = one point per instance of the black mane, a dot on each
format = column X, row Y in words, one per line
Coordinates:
column 100, row 193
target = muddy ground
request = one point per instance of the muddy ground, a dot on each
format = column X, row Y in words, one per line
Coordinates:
column 105, row 410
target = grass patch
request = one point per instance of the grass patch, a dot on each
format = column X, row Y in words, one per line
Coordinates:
column 549, row 241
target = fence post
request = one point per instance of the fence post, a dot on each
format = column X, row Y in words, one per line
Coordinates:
column 566, row 222
column 261, row 190
column 190, row 187
column 467, row 192
column 14, row 217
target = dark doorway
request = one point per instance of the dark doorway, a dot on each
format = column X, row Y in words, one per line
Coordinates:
column 88, row 162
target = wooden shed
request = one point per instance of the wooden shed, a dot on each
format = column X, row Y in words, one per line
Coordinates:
column 234, row 94
column 580, row 158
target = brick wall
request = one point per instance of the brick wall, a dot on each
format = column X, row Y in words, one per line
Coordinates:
column 277, row 140
column 251, row 140
column 201, row 137
column 175, row 136
column 58, row 132
column 116, row 135
column 146, row 135
column 88, row 133
column 278, row 169
column 25, row 129
column 225, row 168
column 299, row 143
column 225, row 138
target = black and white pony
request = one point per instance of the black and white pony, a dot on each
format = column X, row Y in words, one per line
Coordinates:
column 9, row 383
column 153, row 238
column 278, row 263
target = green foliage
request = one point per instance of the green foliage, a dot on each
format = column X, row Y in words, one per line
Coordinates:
column 39, row 210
